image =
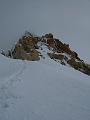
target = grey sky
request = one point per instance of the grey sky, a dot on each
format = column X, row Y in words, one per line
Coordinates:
column 66, row 19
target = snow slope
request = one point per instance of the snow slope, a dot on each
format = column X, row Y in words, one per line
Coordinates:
column 9, row 68
column 43, row 90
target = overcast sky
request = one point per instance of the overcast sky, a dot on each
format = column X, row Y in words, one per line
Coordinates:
column 66, row 19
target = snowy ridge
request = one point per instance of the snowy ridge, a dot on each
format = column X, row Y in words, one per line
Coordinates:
column 42, row 89
column 34, row 48
column 45, row 90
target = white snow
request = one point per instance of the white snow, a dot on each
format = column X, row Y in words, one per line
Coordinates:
column 42, row 90
column 9, row 68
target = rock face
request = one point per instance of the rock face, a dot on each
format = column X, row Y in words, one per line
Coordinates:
column 25, row 49
column 31, row 48
column 56, row 56
column 81, row 66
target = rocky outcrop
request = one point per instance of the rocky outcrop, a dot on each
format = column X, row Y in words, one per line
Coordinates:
column 26, row 49
column 60, row 57
column 30, row 47
column 56, row 56
column 81, row 66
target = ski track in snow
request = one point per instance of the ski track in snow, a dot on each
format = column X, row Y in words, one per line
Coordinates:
column 6, row 90
column 45, row 96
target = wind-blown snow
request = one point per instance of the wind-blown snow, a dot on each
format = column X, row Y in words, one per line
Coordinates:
column 43, row 90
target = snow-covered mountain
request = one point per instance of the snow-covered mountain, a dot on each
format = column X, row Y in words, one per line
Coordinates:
column 33, row 48
column 66, row 19
column 42, row 89
column 43, row 82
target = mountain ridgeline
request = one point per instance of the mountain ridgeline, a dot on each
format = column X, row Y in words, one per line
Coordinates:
column 35, row 48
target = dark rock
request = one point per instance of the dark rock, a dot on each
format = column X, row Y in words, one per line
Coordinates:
column 56, row 56
column 50, row 35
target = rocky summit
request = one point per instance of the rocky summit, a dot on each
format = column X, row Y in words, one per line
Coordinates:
column 34, row 48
